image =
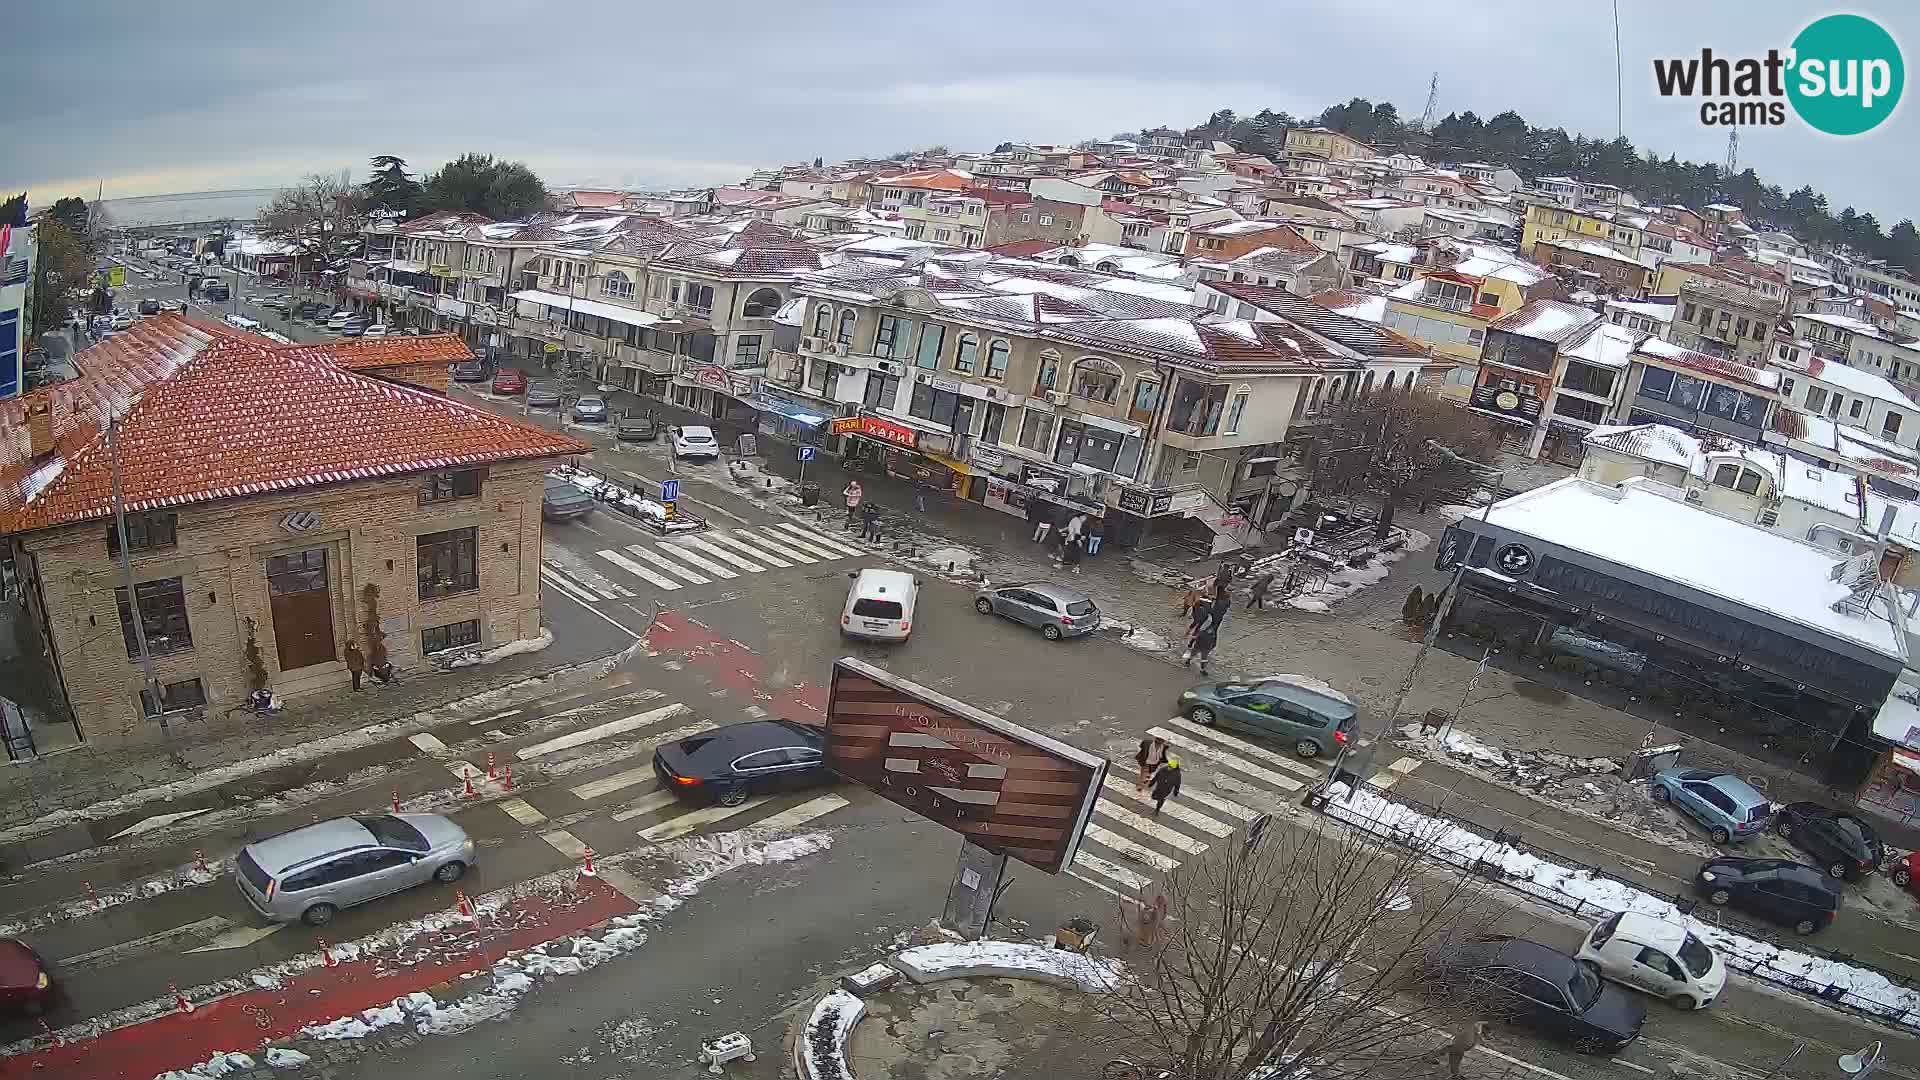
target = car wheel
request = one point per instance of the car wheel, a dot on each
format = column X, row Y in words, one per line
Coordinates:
column 1720, row 835
column 734, row 796
column 450, row 873
column 1784, row 828
column 1307, row 748
column 1902, row 876
column 1805, row 927
column 1719, row 897
column 1201, row 715
column 318, row 915
column 1050, row 632
column 1843, row 871
column 1660, row 794
column 983, row 605
column 1685, row 1002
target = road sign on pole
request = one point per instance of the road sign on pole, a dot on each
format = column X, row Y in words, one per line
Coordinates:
column 669, row 490
column 806, row 453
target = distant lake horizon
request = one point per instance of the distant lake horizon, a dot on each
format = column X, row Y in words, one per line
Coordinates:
column 237, row 204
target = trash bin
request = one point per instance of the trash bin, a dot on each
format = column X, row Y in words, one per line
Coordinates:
column 809, row 494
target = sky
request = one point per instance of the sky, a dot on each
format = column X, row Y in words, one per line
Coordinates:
column 209, row 94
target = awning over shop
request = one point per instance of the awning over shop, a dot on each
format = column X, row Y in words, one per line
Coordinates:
column 407, row 266
column 627, row 315
column 1115, row 426
column 961, row 467
column 789, row 410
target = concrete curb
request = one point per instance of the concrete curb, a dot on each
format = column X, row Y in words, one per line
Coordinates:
column 940, row 962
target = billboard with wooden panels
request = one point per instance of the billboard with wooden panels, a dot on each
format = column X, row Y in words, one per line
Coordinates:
column 1005, row 787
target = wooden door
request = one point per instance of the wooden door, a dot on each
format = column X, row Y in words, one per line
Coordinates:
column 302, row 608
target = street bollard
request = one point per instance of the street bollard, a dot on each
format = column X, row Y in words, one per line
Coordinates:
column 466, row 777
column 92, row 897
column 506, row 778
column 464, row 906
column 180, row 1001
column 492, row 773
column 396, row 800
column 326, row 953
column 587, row 870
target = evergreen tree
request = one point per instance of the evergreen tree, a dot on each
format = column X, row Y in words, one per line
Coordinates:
column 390, row 188
column 502, row 190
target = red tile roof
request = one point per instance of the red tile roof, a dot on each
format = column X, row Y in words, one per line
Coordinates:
column 206, row 418
column 363, row 353
column 1020, row 249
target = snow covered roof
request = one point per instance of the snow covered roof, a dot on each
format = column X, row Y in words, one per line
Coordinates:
column 1521, row 274
column 1858, row 381
column 1668, row 352
column 1367, row 307
column 1551, row 321
column 1598, row 250
column 1387, row 251
column 1660, row 313
column 1607, row 345
column 1635, row 526
column 1654, row 442
column 1238, row 228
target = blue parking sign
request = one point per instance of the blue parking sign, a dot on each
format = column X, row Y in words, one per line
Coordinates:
column 806, row 453
column 669, row 490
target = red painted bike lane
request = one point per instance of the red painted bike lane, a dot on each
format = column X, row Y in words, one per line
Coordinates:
column 730, row 665
column 246, row 1020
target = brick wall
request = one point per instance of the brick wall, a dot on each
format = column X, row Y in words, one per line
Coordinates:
column 369, row 531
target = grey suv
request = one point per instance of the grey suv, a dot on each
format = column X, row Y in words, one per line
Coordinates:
column 1054, row 611
column 312, row 872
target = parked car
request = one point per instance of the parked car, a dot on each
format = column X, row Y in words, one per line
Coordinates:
column 311, row 873
column 354, row 328
column 510, row 381
column 172, row 305
column 561, row 501
column 590, row 410
column 315, row 312
column 1055, row 611
column 123, row 321
column 1526, row 982
column 376, row 330
column 1313, row 721
column 1659, row 956
column 695, row 441
column 470, row 371
column 636, row 427
column 728, row 765
column 150, row 306
column 540, row 397
column 880, row 605
column 1905, row 870
column 1839, row 842
column 216, row 292
column 1729, row 807
column 1778, row 891
column 338, row 321
column 25, row 983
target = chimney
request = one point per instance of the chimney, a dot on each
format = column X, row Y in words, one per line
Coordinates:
column 40, row 427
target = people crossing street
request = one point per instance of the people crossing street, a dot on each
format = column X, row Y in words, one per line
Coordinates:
column 870, row 523
column 1166, row 784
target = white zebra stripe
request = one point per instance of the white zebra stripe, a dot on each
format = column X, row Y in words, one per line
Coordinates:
column 1113, row 841
column 1113, row 872
column 1140, row 823
column 719, row 552
column 743, row 536
column 717, row 538
column 818, row 550
column 566, row 585
column 637, row 570
column 820, row 538
column 680, row 552
column 667, row 564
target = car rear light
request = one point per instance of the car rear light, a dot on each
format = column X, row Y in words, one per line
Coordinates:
column 1340, row 737
column 905, row 626
column 846, row 620
column 272, row 887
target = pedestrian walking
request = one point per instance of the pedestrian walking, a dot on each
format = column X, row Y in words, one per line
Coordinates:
column 1070, row 549
column 1192, row 599
column 356, row 664
column 1222, row 603
column 1258, row 597
column 920, row 500
column 1465, row 1038
column 854, row 495
column 1076, row 525
column 1151, row 755
column 1096, row 532
column 1040, row 512
column 1201, row 641
column 1223, row 579
column 870, row 523
column 1166, row 783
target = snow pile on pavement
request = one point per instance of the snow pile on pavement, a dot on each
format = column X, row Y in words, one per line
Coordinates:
column 1090, row 973
column 1529, row 768
column 623, row 497
column 282, row 1058
column 1343, row 583
column 181, row 877
column 1530, row 873
column 1139, row 637
column 827, row 1029
column 707, row 857
column 218, row 1065
column 501, row 652
column 953, row 560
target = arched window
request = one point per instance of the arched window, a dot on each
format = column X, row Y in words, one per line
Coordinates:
column 822, row 320
column 1388, row 385
column 1069, row 260
column 964, row 353
column 997, row 360
column 1366, row 387
column 1319, row 385
column 1049, row 372
column 616, row 284
column 1108, row 267
column 845, row 334
column 1097, row 380
column 1146, row 398
column 761, row 304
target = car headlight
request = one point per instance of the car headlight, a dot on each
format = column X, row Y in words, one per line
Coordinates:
column 1187, row 694
column 1706, row 875
column 43, row 982
column 467, row 848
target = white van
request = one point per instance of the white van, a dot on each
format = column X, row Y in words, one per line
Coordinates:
column 880, row 605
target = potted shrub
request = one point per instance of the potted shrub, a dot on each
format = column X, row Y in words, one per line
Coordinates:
column 257, row 678
column 379, row 665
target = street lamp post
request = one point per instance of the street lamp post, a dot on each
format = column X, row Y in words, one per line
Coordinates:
column 1433, row 628
column 1861, row 1063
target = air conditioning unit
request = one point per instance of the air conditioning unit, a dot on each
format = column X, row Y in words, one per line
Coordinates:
column 1057, row 397
column 810, row 344
column 1693, row 494
column 839, row 348
column 993, row 393
column 891, row 367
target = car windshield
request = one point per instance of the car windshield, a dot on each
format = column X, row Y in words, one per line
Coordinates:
column 392, row 832
column 1583, row 987
column 870, row 608
column 1695, row 955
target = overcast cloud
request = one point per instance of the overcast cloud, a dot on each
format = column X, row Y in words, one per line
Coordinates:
column 202, row 94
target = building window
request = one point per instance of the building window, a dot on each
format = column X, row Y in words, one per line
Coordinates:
column 964, row 353
column 1097, row 380
column 1237, row 410
column 163, row 618
column 817, row 372
column 1146, row 398
column 1726, row 475
column 1046, row 219
column 454, row 484
column 1036, row 431
column 1759, row 330
column 997, row 360
column 1816, row 399
column 1740, row 329
column 891, row 336
column 699, row 297
column 1657, row 383
column 145, row 532
column 746, row 351
column 942, row 235
column 845, row 334
column 1786, row 388
column 1049, row 371
column 1890, row 426
column 882, row 390
column 1490, row 299
column 822, row 320
column 447, row 562
column 933, row 338
column 937, row 406
column 436, row 639
column 173, row 697
column 1025, row 218
column 1853, row 410
column 1686, row 313
column 616, row 284
column 1748, row 483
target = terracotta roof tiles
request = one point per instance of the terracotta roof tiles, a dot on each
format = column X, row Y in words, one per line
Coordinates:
column 359, row 354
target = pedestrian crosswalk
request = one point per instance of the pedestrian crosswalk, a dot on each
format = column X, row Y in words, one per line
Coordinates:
column 670, row 564
column 1229, row 781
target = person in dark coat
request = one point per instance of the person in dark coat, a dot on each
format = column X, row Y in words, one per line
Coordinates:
column 870, row 523
column 1166, row 784
column 1151, row 755
column 1096, row 534
column 1201, row 643
column 1258, row 598
column 356, row 663
column 1070, row 549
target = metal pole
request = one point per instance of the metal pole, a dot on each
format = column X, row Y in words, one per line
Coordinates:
column 152, row 684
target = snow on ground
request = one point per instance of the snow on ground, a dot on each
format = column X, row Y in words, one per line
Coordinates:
column 501, row 652
column 218, row 1065
column 1140, row 637
column 1343, row 583
column 1531, row 873
column 953, row 560
column 180, row 877
column 1456, row 512
column 1089, row 972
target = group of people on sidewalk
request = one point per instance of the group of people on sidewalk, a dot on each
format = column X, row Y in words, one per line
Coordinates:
column 1080, row 534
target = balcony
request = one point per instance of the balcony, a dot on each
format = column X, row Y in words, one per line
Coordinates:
column 651, row 361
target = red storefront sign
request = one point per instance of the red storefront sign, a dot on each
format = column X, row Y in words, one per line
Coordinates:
column 712, row 375
column 888, row 431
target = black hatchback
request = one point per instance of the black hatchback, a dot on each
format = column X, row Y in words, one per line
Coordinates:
column 1776, row 890
column 1840, row 843
column 729, row 764
column 1525, row 982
